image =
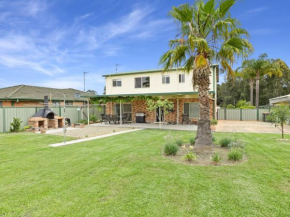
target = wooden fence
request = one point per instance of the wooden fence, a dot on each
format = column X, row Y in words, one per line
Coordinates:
column 75, row 114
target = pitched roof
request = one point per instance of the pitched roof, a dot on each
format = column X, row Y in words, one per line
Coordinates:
column 147, row 71
column 26, row 92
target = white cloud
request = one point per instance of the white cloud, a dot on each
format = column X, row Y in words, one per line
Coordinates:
column 93, row 82
column 257, row 10
column 86, row 15
column 34, row 7
column 263, row 31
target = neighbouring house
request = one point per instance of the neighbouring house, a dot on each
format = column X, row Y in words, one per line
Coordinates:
column 175, row 85
column 280, row 100
column 28, row 96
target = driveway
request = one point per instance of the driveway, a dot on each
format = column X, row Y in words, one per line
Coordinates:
column 249, row 127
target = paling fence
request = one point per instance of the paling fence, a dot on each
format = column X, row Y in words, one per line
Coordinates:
column 242, row 114
column 75, row 114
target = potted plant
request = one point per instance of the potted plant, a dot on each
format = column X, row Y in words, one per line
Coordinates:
column 213, row 124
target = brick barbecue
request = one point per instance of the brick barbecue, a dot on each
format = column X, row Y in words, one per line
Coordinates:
column 45, row 118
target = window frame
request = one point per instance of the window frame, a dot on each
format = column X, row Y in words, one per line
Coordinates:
column 117, row 80
column 189, row 109
column 142, row 82
column 164, row 79
column 180, row 80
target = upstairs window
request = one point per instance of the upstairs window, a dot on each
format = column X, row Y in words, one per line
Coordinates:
column 181, row 78
column 165, row 79
column 117, row 82
column 142, row 82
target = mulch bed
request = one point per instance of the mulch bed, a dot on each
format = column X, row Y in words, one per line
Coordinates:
column 205, row 159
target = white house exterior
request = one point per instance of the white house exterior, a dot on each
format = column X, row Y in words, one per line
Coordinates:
column 173, row 84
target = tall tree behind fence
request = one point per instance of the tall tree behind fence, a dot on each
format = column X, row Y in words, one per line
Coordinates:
column 24, row 113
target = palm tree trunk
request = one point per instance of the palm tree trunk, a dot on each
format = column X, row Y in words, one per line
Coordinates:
column 257, row 89
column 251, row 91
column 203, row 137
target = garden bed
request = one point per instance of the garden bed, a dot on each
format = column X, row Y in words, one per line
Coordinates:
column 205, row 159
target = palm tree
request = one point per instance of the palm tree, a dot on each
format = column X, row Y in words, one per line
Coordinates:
column 259, row 68
column 206, row 33
column 248, row 75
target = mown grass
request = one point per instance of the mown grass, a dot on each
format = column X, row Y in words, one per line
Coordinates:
column 126, row 175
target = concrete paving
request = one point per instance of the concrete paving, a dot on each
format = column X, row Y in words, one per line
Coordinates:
column 248, row 127
column 91, row 138
column 150, row 126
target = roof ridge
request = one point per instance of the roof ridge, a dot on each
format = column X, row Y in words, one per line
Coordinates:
column 17, row 89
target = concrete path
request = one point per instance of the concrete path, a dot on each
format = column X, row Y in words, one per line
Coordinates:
column 248, row 127
column 92, row 138
column 150, row 126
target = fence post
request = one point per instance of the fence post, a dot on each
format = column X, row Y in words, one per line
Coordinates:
column 59, row 109
column 4, row 120
column 241, row 115
column 225, row 114
column 258, row 118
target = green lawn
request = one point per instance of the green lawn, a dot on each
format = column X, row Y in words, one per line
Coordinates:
column 126, row 175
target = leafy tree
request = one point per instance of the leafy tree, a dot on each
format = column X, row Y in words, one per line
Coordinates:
column 261, row 67
column 270, row 86
column 230, row 106
column 207, row 32
column 279, row 116
column 165, row 105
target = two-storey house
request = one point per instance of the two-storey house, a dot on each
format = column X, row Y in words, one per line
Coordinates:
column 173, row 84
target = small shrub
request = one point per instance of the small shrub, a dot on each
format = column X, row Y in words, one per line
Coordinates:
column 27, row 127
column 225, row 142
column 216, row 158
column 213, row 138
column 84, row 121
column 190, row 156
column 237, row 144
column 214, row 122
column 192, row 141
column 235, row 155
column 93, row 118
column 15, row 125
column 179, row 142
column 170, row 149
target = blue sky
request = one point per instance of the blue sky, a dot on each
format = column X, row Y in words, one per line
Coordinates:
column 50, row 43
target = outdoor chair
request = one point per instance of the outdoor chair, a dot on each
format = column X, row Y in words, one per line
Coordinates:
column 103, row 118
column 107, row 119
column 125, row 118
column 185, row 119
column 114, row 119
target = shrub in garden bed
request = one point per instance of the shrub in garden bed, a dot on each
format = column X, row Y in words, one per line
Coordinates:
column 192, row 141
column 179, row 142
column 170, row 149
column 235, row 155
column 190, row 156
column 216, row 158
column 225, row 142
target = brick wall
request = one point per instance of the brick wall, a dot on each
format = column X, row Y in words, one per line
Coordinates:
column 28, row 104
column 140, row 106
column 6, row 103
